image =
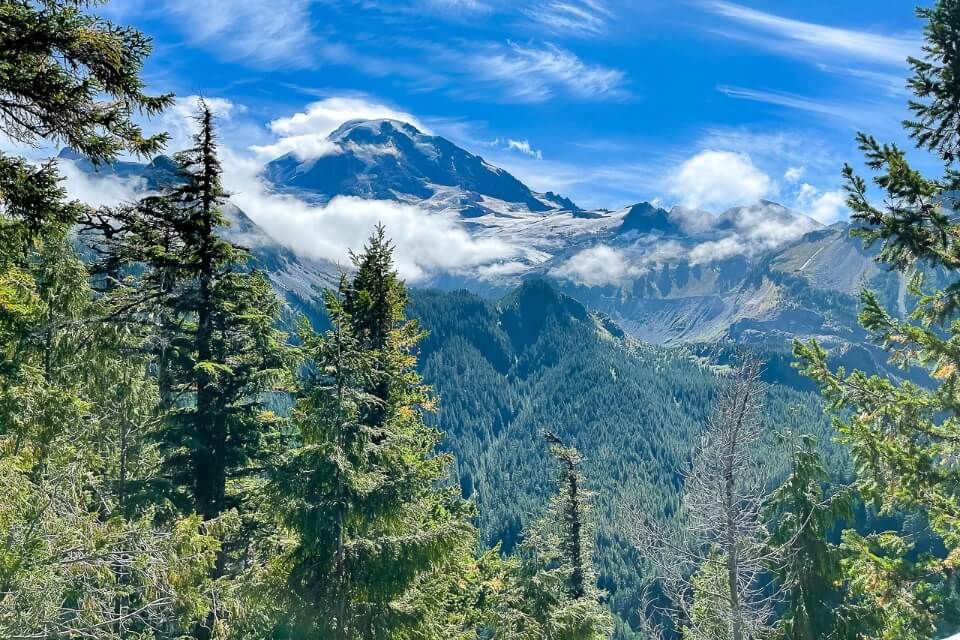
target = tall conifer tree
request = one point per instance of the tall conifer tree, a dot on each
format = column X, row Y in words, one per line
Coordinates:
column 903, row 436
column 365, row 493
column 550, row 586
column 217, row 348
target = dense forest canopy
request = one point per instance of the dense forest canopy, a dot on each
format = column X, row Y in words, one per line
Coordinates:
column 184, row 454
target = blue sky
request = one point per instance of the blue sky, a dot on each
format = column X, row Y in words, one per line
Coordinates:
column 704, row 102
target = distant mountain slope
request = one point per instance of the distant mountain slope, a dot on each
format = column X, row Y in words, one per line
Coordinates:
column 685, row 275
column 295, row 277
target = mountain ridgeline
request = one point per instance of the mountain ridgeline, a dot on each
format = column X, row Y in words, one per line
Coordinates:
column 757, row 275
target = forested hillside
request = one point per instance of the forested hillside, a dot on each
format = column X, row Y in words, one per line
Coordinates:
column 536, row 359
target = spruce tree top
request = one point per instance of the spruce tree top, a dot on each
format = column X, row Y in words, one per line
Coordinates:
column 74, row 78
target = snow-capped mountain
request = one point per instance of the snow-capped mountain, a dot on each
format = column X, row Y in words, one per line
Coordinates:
column 388, row 159
column 758, row 274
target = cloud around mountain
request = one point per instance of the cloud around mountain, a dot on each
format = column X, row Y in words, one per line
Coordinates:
column 718, row 179
column 451, row 212
column 425, row 243
column 305, row 133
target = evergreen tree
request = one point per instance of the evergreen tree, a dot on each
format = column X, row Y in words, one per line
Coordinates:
column 802, row 518
column 710, row 595
column 79, row 560
column 72, row 77
column 904, row 436
column 550, row 587
column 365, row 494
column 65, row 76
column 208, row 326
column 221, row 350
column 573, row 505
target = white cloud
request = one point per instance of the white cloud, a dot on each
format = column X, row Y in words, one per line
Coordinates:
column 473, row 6
column 604, row 265
column 799, row 38
column 598, row 266
column 305, row 133
column 765, row 226
column 715, row 250
column 499, row 270
column 98, row 190
column 523, row 146
column 262, row 32
column 426, row 244
column 584, row 18
column 781, row 148
column 848, row 113
column 535, row 74
column 826, row 207
column 305, row 147
column 324, row 116
column 718, row 179
column 793, row 174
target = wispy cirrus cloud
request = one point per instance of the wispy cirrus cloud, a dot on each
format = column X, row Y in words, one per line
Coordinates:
column 577, row 17
column 258, row 32
column 793, row 101
column 530, row 73
column 812, row 40
column 471, row 6
column 877, row 114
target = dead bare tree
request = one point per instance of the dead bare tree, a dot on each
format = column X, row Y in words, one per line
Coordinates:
column 713, row 566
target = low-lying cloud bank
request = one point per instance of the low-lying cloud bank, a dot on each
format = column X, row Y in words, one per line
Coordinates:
column 756, row 229
column 99, row 190
column 603, row 265
column 426, row 243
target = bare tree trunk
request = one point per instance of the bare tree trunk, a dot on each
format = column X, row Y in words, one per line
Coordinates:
column 720, row 514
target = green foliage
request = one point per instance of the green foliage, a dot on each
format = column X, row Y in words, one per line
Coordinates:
column 897, row 595
column 66, row 571
column 902, row 435
column 711, row 595
column 802, row 519
column 537, row 359
column 217, row 347
column 548, row 585
column 69, row 76
column 374, row 529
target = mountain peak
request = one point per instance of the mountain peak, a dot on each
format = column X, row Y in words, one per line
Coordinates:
column 765, row 211
column 393, row 160
column 527, row 309
column 360, row 130
column 644, row 217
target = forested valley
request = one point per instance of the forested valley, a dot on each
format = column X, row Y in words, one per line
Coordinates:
column 185, row 453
